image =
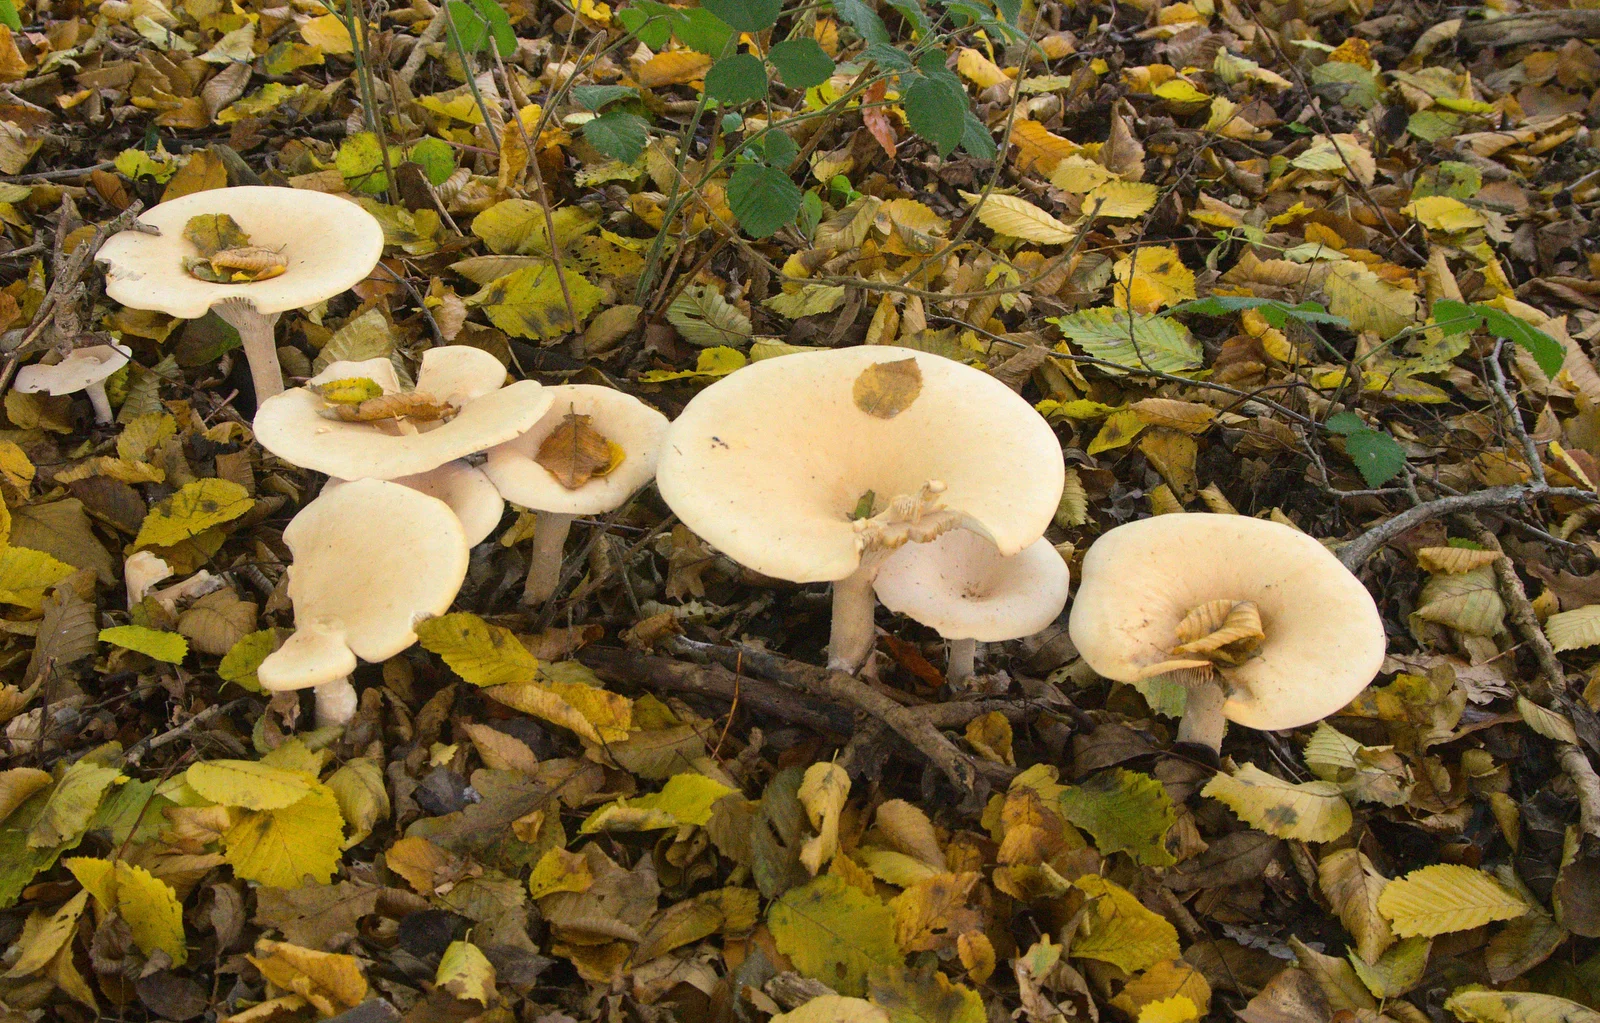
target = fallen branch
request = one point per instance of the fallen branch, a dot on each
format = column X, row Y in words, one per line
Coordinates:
column 1533, row 27
column 1355, row 553
column 143, row 747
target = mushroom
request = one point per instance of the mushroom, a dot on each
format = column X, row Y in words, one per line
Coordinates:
column 86, row 369
column 371, row 558
column 813, row 467
column 960, row 586
column 326, row 243
column 567, row 466
column 463, row 487
column 1258, row 620
column 296, row 425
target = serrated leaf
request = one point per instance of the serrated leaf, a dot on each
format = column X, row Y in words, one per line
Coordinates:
column 1136, row 341
column 1574, row 630
column 45, row 934
column 1177, row 1009
column 1122, row 200
column 239, row 664
column 1151, row 278
column 595, row 715
column 1312, row 811
column 936, row 109
column 745, row 15
column 466, row 972
column 835, row 933
column 1444, row 898
column 703, row 317
column 1397, row 971
column 25, row 574
column 162, row 646
column 1378, row 456
column 1469, row 602
column 802, row 63
column 530, row 302
column 481, row 653
column 834, row 1009
column 1547, row 723
column 823, row 792
column 1119, row 930
column 925, row 997
column 885, row 389
column 1019, row 218
column 1125, row 811
column 1368, row 302
column 763, row 199
column 330, row 982
column 737, row 78
column 249, row 784
column 1480, row 1006
column 147, row 904
column 71, row 804
column 1546, row 350
column 192, row 510
column 283, row 846
column 685, row 799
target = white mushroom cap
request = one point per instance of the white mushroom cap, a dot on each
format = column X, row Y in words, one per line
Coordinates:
column 621, row 418
column 84, row 368
column 959, row 585
column 291, row 424
column 459, row 373
column 1324, row 639
column 768, row 463
column 371, row 559
column 462, row 486
column 329, row 244
column 380, row 371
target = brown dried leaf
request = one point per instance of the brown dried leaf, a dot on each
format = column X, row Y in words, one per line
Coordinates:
column 575, row 452
column 886, row 389
column 405, row 405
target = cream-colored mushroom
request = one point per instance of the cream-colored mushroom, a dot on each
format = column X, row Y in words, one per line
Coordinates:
column 812, row 467
column 547, row 469
column 1262, row 624
column 960, row 586
column 86, row 369
column 296, row 425
column 328, row 245
column 462, row 486
column 371, row 559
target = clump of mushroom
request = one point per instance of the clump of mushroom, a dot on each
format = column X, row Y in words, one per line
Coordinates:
column 286, row 248
column 960, row 586
column 353, row 420
column 593, row 449
column 814, row 467
column 1259, row 621
column 86, row 369
column 371, row 559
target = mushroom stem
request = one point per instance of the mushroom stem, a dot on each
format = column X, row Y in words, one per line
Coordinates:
column 336, row 703
column 961, row 661
column 544, row 570
column 260, row 350
column 852, row 633
column 102, row 404
column 1203, row 723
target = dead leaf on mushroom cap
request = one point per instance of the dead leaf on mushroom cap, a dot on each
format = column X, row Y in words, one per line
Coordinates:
column 405, row 405
column 886, row 389
column 212, row 233
column 575, row 452
column 348, row 391
column 226, row 255
column 1221, row 630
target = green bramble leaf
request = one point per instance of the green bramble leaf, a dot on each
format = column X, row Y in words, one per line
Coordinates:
column 763, row 199
column 738, row 78
column 801, row 63
column 745, row 15
column 8, row 16
column 937, row 111
column 1546, row 350
column 619, row 134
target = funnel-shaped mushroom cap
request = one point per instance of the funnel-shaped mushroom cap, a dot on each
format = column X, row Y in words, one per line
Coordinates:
column 459, row 373
column 380, row 371
column 291, row 425
column 959, row 585
column 1323, row 638
column 83, row 368
column 328, row 245
column 371, row 559
column 768, row 463
column 621, row 418
column 464, row 488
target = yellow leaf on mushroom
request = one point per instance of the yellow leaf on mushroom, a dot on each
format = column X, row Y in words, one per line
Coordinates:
column 575, row 452
column 886, row 389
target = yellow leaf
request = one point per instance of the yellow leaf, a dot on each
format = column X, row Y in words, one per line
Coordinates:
column 363, row 796
column 1163, row 981
column 1369, row 303
column 330, row 983
column 559, row 871
column 25, row 575
column 45, row 934
column 1119, row 930
column 481, row 653
column 1037, row 146
column 328, row 34
column 885, row 389
column 1177, row 1009
column 1444, row 898
column 281, row 847
column 203, row 172
column 249, row 784
column 155, row 643
column 823, row 792
column 834, row 1009
column 677, row 67
column 71, row 804
column 530, row 302
column 1019, row 218
column 1311, row 811
column 195, row 508
column 1352, row 886
column 835, row 933
column 1341, row 155
column 978, row 69
column 17, row 784
column 14, row 464
column 147, row 904
column 1442, row 213
column 1121, row 199
column 1573, row 630
column 1119, row 430
column 1467, row 601
column 684, row 799
column 1080, row 174
column 1480, row 1006
column 466, row 972
column 595, row 715
column 977, row 954
column 1153, row 278
column 1547, row 723
column 1454, row 560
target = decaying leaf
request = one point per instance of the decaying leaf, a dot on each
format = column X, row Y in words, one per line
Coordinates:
column 886, row 389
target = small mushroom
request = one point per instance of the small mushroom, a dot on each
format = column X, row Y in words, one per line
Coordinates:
column 813, row 467
column 327, row 245
column 567, row 466
column 141, row 572
column 459, row 387
column 1258, row 620
column 462, row 486
column 961, row 587
column 86, row 369
column 371, row 559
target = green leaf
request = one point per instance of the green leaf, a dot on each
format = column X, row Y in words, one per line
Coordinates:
column 701, row 31
column 360, row 160
column 471, row 29
column 763, row 199
column 1454, row 317
column 1274, row 311
column 435, row 157
column 163, row 646
column 684, row 800
column 1125, row 812
column 975, row 137
column 1546, row 350
column 780, row 149
column 598, row 97
column 620, row 134
column 1143, row 342
column 745, row 15
column 482, row 654
column 801, row 63
column 1378, row 455
column 835, row 933
column 865, row 21
column 738, row 78
column 937, row 111
column 8, row 16
column 649, row 21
